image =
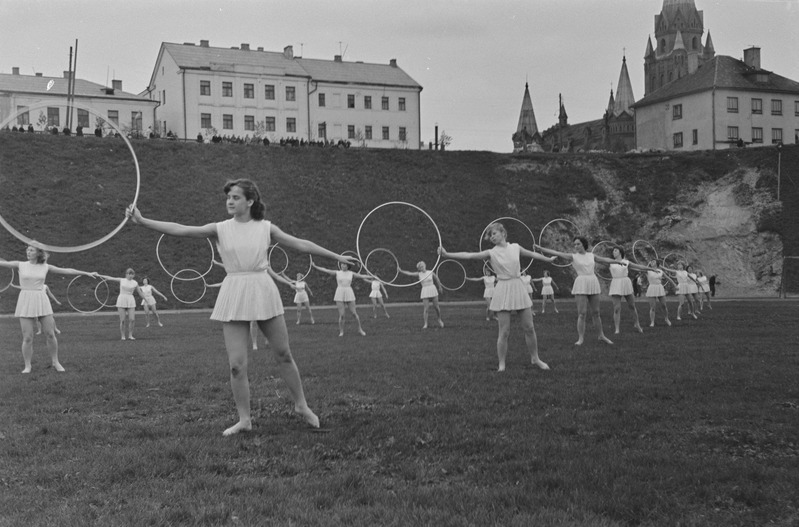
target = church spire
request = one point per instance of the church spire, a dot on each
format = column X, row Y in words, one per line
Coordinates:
column 624, row 91
column 709, row 49
column 527, row 115
column 611, row 103
column 649, row 50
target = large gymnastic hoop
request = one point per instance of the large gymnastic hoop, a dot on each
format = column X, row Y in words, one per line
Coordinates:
column 84, row 247
column 679, row 257
column 11, row 281
column 462, row 269
column 577, row 232
column 173, row 276
column 360, row 227
column 594, row 252
column 499, row 220
column 292, row 280
column 199, row 277
column 102, row 303
column 645, row 250
column 357, row 259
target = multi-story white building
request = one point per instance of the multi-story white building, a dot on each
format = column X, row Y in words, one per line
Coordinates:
column 244, row 92
column 725, row 103
column 41, row 102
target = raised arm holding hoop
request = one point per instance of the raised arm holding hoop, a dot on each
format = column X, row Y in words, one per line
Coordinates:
column 148, row 301
column 622, row 287
column 509, row 292
column 431, row 288
column 33, row 304
column 344, row 296
column 547, row 291
column 247, row 292
column 377, row 293
column 301, row 292
column 126, row 304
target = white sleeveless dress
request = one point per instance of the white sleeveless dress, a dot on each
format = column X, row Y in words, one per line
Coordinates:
column 32, row 301
column 586, row 282
column 620, row 285
column 509, row 291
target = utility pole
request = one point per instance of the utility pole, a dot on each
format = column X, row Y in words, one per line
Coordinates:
column 779, row 165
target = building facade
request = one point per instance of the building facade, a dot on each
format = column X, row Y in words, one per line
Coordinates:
column 241, row 92
column 41, row 103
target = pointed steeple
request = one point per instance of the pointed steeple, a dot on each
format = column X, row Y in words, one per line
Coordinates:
column 611, row 103
column 649, row 49
column 624, row 91
column 709, row 49
column 527, row 115
column 678, row 43
column 563, row 118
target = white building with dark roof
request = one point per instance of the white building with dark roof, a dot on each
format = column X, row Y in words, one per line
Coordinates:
column 41, row 102
column 244, row 92
column 726, row 102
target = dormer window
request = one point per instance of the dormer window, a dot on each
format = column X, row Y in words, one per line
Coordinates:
column 761, row 77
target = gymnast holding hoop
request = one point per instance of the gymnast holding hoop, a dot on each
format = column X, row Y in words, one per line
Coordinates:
column 344, row 296
column 126, row 304
column 247, row 292
column 489, row 282
column 683, row 289
column 704, row 290
column 622, row 287
column 301, row 292
column 547, row 291
column 655, row 292
column 38, row 320
column 693, row 287
column 509, row 293
column 33, row 304
column 431, row 288
column 148, row 300
column 586, row 287
column 527, row 280
column 377, row 294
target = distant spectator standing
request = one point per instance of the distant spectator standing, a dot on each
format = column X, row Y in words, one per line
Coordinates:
column 79, row 131
column 30, row 128
column 713, row 282
column 200, row 137
column 98, row 132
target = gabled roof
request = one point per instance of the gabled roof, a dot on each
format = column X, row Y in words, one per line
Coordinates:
column 721, row 72
column 189, row 56
column 35, row 85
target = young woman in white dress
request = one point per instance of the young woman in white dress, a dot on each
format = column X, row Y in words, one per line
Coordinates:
column 33, row 304
column 527, row 280
column 489, row 282
column 344, row 296
column 655, row 291
column 586, row 287
column 248, row 292
column 509, row 293
column 431, row 288
column 126, row 304
column 683, row 289
column 693, row 287
column 301, row 298
column 148, row 301
column 547, row 291
column 376, row 295
column 621, row 287
column 704, row 290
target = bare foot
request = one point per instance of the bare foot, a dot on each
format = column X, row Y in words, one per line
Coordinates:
column 58, row 331
column 38, row 332
column 27, row 369
column 362, row 332
column 147, row 325
column 579, row 342
column 57, row 366
column 340, row 333
column 541, row 364
column 312, row 322
column 603, row 338
column 387, row 316
column 639, row 328
column 668, row 322
column 130, row 337
column 501, row 368
column 160, row 325
column 308, row 415
column 241, row 426
column 651, row 324
column 123, row 337
column 440, row 323
column 616, row 332
column 424, row 327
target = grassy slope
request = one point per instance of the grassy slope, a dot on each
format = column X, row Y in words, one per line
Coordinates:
column 77, row 192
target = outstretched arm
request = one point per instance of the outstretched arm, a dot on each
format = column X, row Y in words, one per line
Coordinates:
column 280, row 278
column 307, row 246
column 157, row 292
column 536, row 256
column 70, row 271
column 323, row 269
column 565, row 256
column 173, row 229
column 51, row 295
column 9, row 265
column 482, row 255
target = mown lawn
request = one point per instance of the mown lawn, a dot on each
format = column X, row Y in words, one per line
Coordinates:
column 697, row 424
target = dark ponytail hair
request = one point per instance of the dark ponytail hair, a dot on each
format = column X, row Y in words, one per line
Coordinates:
column 251, row 192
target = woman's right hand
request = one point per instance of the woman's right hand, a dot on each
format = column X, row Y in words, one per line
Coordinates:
column 132, row 212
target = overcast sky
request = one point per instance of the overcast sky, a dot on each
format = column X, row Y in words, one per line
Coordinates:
column 472, row 57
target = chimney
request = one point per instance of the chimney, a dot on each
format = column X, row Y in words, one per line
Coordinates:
column 116, row 84
column 392, row 63
column 288, row 52
column 337, row 58
column 203, row 43
column 15, row 70
column 38, row 74
column 67, row 74
column 752, row 57
column 245, row 47
column 260, row 48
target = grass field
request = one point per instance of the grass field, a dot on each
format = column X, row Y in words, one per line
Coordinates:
column 697, row 424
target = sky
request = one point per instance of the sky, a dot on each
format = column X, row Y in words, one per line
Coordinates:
column 472, row 57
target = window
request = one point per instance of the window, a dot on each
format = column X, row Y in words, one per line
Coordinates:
column 401, row 104
column 321, row 100
column 83, row 118
column 385, row 133
column 135, row 121
column 113, row 116
column 757, row 106
column 350, row 131
column 205, row 120
column 776, row 106
column 676, row 112
column 163, row 96
column 350, row 101
column 269, row 124
column 53, row 118
column 227, row 121
column 384, row 103
column 402, row 135
column 695, row 136
column 757, row 135
column 732, row 133
column 367, row 132
column 23, row 117
column 227, row 89
column 269, row 92
column 249, row 122
column 732, row 104
column 249, row 91
column 322, row 131
column 796, row 108
column 367, row 102
column 205, row 87
column 291, row 124
column 678, row 140
column 776, row 136
column 291, row 93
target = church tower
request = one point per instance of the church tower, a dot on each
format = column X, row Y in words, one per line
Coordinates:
column 678, row 49
column 527, row 138
column 620, row 116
